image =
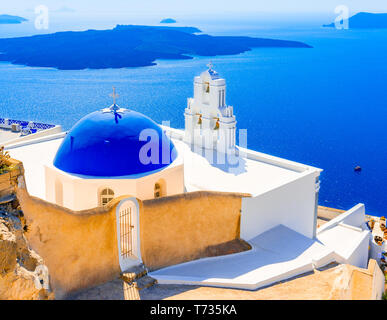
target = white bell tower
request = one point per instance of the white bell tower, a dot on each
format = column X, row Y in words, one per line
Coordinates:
column 209, row 122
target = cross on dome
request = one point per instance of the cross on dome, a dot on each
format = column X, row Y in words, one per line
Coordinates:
column 114, row 95
column 210, row 65
column 114, row 108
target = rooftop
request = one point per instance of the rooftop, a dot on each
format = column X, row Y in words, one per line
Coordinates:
column 250, row 176
column 13, row 131
column 34, row 157
column 255, row 174
column 8, row 135
column 277, row 254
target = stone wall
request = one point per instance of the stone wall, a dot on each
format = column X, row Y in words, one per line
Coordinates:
column 353, row 283
column 182, row 228
column 79, row 248
column 8, row 180
column 23, row 275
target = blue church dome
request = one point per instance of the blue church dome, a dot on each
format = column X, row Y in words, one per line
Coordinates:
column 107, row 143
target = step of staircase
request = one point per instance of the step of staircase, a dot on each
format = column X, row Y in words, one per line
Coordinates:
column 134, row 280
column 145, row 282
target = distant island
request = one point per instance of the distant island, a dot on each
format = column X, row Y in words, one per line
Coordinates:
column 7, row 19
column 365, row 20
column 168, row 20
column 168, row 28
column 125, row 46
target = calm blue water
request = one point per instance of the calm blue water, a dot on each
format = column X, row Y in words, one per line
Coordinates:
column 324, row 106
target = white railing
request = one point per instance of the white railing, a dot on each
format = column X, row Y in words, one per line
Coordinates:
column 353, row 217
column 33, row 139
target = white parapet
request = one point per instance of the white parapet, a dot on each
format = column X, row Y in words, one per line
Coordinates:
column 43, row 134
column 348, row 237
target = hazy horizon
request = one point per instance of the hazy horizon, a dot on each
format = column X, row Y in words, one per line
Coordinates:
column 191, row 8
column 210, row 16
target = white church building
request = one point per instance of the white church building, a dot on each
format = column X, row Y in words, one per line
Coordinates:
column 111, row 152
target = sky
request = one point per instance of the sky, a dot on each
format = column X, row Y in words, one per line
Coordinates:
column 208, row 15
column 192, row 7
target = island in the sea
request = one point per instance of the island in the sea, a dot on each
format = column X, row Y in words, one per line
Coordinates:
column 126, row 46
column 365, row 20
column 7, row 19
column 168, row 20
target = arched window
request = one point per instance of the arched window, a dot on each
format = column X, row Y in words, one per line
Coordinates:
column 200, row 119
column 157, row 190
column 160, row 189
column 106, row 195
column 207, row 87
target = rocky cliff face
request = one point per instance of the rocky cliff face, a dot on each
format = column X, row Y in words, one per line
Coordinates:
column 23, row 275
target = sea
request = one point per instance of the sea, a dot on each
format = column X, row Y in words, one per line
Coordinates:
column 325, row 106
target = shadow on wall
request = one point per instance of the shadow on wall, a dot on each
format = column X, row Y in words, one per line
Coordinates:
column 229, row 163
column 190, row 226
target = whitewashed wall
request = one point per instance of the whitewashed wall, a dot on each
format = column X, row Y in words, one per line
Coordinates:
column 292, row 205
column 81, row 194
column 358, row 254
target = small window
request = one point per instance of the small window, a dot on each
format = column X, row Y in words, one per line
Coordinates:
column 200, row 119
column 160, row 189
column 106, row 196
column 157, row 190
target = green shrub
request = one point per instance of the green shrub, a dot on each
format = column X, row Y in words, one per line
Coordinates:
column 4, row 156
